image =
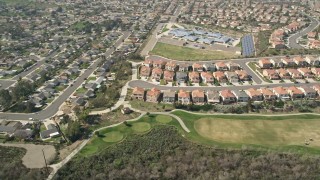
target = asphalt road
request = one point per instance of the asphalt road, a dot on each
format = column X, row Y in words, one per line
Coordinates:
column 294, row 38
column 53, row 108
column 147, row 85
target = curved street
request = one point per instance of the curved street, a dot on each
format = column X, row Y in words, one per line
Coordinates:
column 293, row 39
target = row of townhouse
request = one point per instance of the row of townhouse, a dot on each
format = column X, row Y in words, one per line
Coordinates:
column 300, row 73
column 226, row 96
column 298, row 61
column 194, row 76
column 184, row 67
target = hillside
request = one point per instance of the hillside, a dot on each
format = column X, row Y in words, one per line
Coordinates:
column 163, row 153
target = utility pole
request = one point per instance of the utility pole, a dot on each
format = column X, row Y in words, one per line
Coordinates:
column 45, row 161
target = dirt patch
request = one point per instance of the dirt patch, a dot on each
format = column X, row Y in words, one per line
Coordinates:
column 34, row 156
column 64, row 152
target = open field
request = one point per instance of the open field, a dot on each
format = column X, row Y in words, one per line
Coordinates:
column 189, row 54
column 262, row 132
column 280, row 133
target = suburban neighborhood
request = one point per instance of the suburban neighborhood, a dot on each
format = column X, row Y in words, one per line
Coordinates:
column 82, row 82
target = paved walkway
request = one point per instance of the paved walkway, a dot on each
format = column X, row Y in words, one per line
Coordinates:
column 245, row 114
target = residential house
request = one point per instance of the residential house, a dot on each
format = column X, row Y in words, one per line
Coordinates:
column 171, row 66
column 316, row 71
column 265, row 63
column 288, row 62
column 254, row 94
column 295, row 93
column 271, row 74
column 184, row 97
column 168, row 76
column 207, row 77
column 281, row 93
column 268, row 95
column 169, row 96
column 153, row 95
column 181, row 77
column 209, row 67
column 183, row 67
column 308, row 92
column 221, row 66
column 243, row 75
column 159, row 64
column 89, row 94
column 220, row 76
column 156, row 74
column 148, row 63
column 198, row 96
column 317, row 88
column 284, row 74
column 138, row 93
column 79, row 101
column 194, row 77
column 233, row 66
column 295, row 74
column 197, row 67
column 145, row 72
column 213, row 97
column 241, row 95
column 232, row 76
column 313, row 61
column 306, row 72
column 312, row 35
column 52, row 131
column 227, row 96
column 300, row 61
column 91, row 86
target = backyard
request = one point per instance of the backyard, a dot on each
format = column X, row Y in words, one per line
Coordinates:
column 185, row 53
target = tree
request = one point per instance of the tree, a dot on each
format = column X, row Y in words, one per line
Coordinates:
column 74, row 131
column 5, row 98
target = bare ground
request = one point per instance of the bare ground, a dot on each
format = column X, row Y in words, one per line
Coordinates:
column 34, row 157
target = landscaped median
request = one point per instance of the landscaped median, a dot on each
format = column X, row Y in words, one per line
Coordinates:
column 291, row 133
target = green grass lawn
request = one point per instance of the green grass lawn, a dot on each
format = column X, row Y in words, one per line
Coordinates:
column 163, row 119
column 113, row 136
column 190, row 54
column 60, row 88
column 280, row 133
column 253, row 66
column 81, row 90
column 141, row 127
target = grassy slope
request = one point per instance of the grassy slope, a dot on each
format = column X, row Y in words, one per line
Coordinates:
column 185, row 53
column 164, row 154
